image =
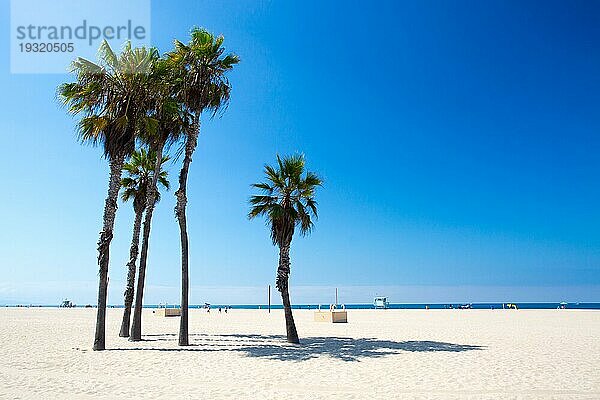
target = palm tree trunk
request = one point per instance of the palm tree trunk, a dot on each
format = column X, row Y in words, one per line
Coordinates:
column 283, row 274
column 181, row 194
column 133, row 254
column 136, row 327
column 110, row 211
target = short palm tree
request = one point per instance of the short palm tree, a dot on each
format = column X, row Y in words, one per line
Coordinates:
column 203, row 86
column 140, row 173
column 113, row 103
column 287, row 202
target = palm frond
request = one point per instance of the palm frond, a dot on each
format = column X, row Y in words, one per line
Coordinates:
column 139, row 171
column 287, row 200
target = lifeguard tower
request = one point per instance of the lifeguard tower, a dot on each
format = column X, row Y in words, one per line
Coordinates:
column 66, row 304
column 381, row 302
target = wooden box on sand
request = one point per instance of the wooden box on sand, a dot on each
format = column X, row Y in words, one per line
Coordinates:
column 331, row 316
column 168, row 312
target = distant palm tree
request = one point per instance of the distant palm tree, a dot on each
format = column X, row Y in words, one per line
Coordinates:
column 140, row 171
column 287, row 201
column 113, row 101
column 203, row 86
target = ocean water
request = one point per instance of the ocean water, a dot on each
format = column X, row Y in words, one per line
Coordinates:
column 421, row 306
column 396, row 306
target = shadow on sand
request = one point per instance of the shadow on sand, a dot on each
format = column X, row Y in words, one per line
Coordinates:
column 276, row 348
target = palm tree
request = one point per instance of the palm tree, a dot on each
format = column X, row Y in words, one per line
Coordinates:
column 287, row 201
column 140, row 170
column 112, row 101
column 171, row 120
column 203, row 87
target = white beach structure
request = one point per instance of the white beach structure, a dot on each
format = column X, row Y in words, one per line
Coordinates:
column 380, row 302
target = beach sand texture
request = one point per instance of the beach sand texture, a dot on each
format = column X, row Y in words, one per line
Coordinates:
column 379, row 354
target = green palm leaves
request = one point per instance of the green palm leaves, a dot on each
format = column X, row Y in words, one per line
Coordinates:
column 112, row 97
column 201, row 67
column 140, row 171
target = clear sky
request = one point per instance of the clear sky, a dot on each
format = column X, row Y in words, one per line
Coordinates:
column 459, row 142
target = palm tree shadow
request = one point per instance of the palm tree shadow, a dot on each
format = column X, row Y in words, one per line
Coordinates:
column 348, row 349
column 274, row 347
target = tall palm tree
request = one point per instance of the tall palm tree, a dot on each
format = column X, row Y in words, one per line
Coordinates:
column 170, row 120
column 287, row 202
column 140, row 171
column 203, row 87
column 112, row 101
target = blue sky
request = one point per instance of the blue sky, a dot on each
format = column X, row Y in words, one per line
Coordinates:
column 458, row 141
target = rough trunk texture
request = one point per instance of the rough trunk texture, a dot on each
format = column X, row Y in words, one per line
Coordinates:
column 110, row 210
column 180, row 207
column 283, row 275
column 136, row 327
column 129, row 289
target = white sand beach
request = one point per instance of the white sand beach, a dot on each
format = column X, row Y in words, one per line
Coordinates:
column 385, row 354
